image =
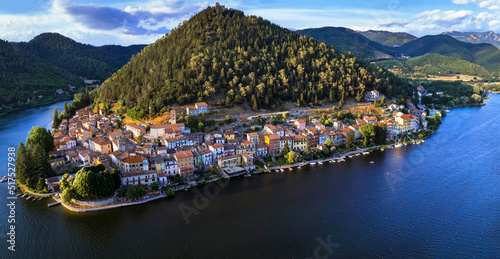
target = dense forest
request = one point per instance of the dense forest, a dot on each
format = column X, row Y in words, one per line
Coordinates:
column 23, row 76
column 483, row 54
column 435, row 64
column 226, row 58
column 51, row 61
column 348, row 40
column 77, row 58
column 388, row 38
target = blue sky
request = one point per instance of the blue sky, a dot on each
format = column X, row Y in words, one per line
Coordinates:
column 133, row 22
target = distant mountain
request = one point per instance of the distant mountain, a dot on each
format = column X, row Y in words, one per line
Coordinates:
column 24, row 76
column 387, row 38
column 435, row 64
column 482, row 54
column 345, row 39
column 51, row 61
column 223, row 57
column 80, row 59
column 476, row 37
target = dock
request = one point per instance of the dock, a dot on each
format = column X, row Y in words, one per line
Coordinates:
column 54, row 204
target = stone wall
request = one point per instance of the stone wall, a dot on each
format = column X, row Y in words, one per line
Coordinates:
column 93, row 203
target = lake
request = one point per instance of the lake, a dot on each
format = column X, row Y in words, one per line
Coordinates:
column 437, row 199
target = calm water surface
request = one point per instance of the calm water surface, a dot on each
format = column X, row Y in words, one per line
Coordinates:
column 439, row 199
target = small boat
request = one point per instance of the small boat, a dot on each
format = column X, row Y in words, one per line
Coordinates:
column 290, row 169
column 313, row 163
column 40, row 199
column 186, row 190
column 320, row 163
column 4, row 179
column 23, row 196
column 371, row 162
column 29, row 197
column 366, row 153
column 381, row 149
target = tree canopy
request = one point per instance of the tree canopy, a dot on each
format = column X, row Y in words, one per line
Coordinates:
column 240, row 59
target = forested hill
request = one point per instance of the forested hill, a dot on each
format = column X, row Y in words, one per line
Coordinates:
column 483, row 54
column 226, row 58
column 77, row 58
column 23, row 76
column 348, row 40
column 387, row 38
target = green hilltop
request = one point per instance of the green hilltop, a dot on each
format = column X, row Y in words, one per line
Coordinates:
column 224, row 57
column 345, row 39
column 51, row 61
column 485, row 55
column 387, row 38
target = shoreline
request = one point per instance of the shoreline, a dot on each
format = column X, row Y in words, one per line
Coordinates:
column 108, row 207
column 9, row 111
column 268, row 170
column 340, row 158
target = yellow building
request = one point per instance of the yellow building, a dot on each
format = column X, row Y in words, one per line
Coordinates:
column 299, row 142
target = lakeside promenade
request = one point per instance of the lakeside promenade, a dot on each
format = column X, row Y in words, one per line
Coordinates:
column 340, row 158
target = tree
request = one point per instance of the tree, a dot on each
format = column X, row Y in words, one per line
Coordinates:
column 139, row 138
column 380, row 134
column 93, row 182
column 42, row 136
column 307, row 152
column 24, row 167
column 68, row 194
column 66, row 182
column 476, row 98
column 328, row 143
column 66, row 111
column 255, row 106
column 368, row 132
column 291, row 157
column 135, row 192
column 119, row 124
column 155, row 186
column 55, row 119
column 41, row 185
column 349, row 140
column 213, row 169
column 116, row 178
column 286, row 149
column 169, row 192
column 41, row 166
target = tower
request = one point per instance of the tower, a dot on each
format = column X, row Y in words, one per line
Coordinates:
column 172, row 117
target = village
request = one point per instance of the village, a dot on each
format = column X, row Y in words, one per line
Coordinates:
column 173, row 156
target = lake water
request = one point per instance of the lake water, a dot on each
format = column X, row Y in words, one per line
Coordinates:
column 439, row 199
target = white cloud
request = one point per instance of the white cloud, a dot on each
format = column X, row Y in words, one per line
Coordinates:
column 138, row 23
column 434, row 21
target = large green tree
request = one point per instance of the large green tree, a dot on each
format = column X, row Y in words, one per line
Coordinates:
column 42, row 136
column 350, row 139
column 368, row 131
column 135, row 192
column 286, row 148
column 55, row 119
column 93, row 182
column 41, row 165
column 24, row 167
